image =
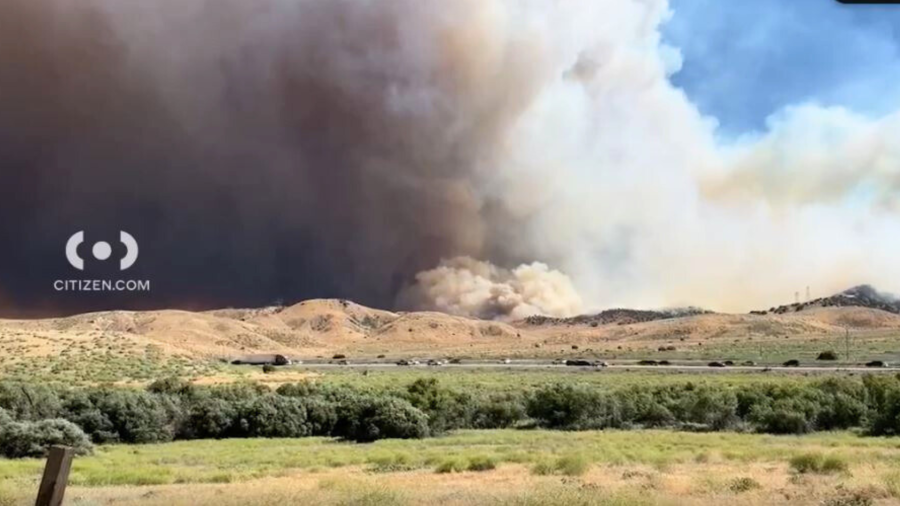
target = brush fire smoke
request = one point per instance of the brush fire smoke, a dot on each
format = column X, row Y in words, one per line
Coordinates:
column 470, row 287
column 264, row 150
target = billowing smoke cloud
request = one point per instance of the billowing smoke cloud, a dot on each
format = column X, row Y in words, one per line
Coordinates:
column 468, row 287
column 273, row 150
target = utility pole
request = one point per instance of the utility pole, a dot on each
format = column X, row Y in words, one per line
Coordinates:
column 796, row 297
column 847, row 342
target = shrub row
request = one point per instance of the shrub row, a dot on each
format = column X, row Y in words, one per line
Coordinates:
column 170, row 410
column 873, row 404
column 33, row 416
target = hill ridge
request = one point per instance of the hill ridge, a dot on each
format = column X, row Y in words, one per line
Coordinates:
column 864, row 296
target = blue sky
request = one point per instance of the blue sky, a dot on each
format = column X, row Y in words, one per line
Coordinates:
column 745, row 60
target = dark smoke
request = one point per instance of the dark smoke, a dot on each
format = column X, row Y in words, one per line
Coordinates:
column 489, row 158
column 257, row 150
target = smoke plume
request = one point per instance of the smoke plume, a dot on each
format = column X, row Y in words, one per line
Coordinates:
column 468, row 287
column 276, row 150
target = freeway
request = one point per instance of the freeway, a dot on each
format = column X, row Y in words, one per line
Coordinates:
column 684, row 366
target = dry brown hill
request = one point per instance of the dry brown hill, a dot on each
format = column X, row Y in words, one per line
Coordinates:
column 320, row 328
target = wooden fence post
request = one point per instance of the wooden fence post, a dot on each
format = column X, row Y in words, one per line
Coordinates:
column 56, row 474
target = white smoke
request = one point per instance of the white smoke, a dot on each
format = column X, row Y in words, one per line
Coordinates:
column 616, row 179
column 467, row 287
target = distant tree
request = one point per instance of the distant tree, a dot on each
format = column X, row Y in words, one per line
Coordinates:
column 827, row 355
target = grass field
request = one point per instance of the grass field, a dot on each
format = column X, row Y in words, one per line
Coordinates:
column 513, row 379
column 115, row 362
column 94, row 370
column 482, row 467
column 498, row 467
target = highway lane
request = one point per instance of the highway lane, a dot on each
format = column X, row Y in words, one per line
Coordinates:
column 538, row 365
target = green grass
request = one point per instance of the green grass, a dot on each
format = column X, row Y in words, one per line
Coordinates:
column 515, row 380
column 481, row 463
column 244, row 459
column 817, row 463
column 543, row 468
column 83, row 367
column 451, row 465
column 394, row 462
column 575, row 464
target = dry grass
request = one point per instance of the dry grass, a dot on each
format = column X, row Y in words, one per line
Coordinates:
column 480, row 468
column 513, row 485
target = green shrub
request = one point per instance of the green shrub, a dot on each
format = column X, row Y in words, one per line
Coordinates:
column 268, row 368
column 783, row 416
column 543, row 468
column 170, row 386
column 209, row 418
column 367, row 418
column 321, row 415
column 451, row 465
column 807, row 463
column 707, row 407
column 834, row 464
column 827, row 355
column 34, row 439
column 840, row 411
column 29, row 402
column 302, row 389
column 445, row 409
column 243, row 391
column 481, row 463
column 394, row 463
column 271, row 416
column 573, row 465
column 883, row 394
column 571, row 407
column 816, row 463
column 497, row 411
column 124, row 416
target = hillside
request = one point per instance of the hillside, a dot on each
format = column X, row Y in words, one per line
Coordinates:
column 863, row 296
column 116, row 341
column 618, row 316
